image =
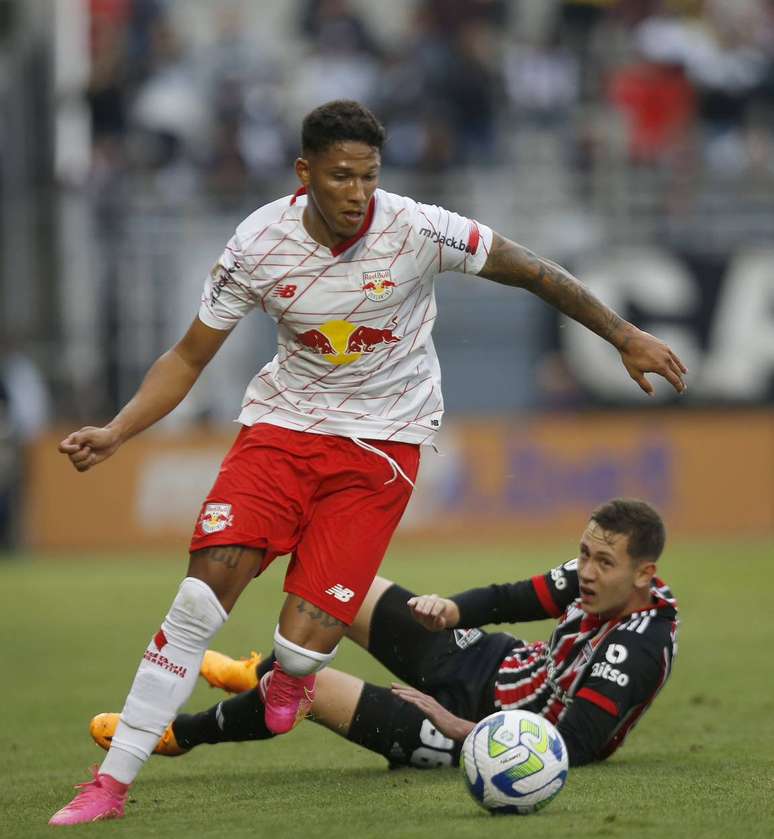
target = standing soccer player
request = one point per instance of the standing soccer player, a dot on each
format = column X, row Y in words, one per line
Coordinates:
column 324, row 464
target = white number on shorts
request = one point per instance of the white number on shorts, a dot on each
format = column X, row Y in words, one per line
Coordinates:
column 433, row 753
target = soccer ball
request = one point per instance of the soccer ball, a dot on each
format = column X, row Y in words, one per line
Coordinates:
column 514, row 762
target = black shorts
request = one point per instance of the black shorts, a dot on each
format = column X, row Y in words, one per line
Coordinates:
column 455, row 666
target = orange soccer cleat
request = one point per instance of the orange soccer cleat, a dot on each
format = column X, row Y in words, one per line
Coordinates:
column 230, row 674
column 103, row 727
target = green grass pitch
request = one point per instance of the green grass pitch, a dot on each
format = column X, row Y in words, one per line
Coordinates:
column 700, row 764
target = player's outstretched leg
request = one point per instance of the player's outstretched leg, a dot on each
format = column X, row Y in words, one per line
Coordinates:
column 165, row 678
column 367, row 715
column 236, row 719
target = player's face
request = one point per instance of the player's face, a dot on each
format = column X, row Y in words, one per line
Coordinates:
column 340, row 182
column 611, row 583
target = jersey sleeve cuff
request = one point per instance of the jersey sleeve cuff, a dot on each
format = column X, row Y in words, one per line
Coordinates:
column 213, row 321
column 544, row 596
column 481, row 236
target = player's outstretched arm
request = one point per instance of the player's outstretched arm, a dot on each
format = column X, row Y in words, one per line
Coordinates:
column 511, row 264
column 434, row 612
column 164, row 387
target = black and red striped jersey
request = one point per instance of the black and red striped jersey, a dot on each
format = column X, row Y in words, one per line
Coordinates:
column 593, row 679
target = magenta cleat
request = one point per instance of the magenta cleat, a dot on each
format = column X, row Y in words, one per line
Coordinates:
column 101, row 798
column 288, row 699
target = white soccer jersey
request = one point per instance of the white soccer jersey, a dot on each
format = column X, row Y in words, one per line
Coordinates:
column 355, row 357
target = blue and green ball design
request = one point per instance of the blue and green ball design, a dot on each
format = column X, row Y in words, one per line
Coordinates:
column 514, row 762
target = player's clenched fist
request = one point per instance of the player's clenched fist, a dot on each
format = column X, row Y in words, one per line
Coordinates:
column 90, row 446
column 434, row 612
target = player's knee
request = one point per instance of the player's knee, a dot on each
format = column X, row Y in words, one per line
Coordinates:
column 195, row 615
column 299, row 661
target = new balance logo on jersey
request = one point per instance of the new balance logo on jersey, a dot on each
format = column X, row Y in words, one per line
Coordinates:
column 284, row 290
column 340, row 593
column 603, row 670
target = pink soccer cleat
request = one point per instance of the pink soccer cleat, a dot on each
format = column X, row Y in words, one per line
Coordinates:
column 101, row 798
column 288, row 699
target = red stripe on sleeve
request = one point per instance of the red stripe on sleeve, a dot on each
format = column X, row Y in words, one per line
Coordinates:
column 473, row 238
column 544, row 596
column 599, row 700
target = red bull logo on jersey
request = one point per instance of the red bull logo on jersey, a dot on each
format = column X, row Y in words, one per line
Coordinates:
column 378, row 285
column 342, row 342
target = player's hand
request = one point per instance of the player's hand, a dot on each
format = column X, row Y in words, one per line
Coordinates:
column 434, row 612
column 90, row 446
column 643, row 353
column 450, row 726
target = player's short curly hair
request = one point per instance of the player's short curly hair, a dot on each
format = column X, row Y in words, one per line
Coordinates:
column 342, row 119
column 637, row 520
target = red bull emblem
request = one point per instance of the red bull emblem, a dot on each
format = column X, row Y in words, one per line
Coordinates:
column 378, row 285
column 342, row 342
column 216, row 517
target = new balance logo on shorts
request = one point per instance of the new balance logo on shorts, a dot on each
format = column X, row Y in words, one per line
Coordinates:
column 340, row 592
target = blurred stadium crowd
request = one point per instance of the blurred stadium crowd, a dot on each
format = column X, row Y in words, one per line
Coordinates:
column 689, row 82
column 136, row 133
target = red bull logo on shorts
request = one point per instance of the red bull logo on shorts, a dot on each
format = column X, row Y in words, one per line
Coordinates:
column 216, row 517
column 378, row 285
column 342, row 342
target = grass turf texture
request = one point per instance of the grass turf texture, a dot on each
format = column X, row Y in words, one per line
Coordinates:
column 699, row 764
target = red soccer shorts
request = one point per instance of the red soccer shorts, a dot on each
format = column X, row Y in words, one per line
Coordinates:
column 321, row 498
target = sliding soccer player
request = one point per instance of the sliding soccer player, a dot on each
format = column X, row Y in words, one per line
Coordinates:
column 609, row 656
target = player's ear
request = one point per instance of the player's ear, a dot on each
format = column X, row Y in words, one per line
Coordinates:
column 644, row 573
column 303, row 170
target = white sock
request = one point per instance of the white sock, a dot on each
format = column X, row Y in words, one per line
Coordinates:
column 165, row 678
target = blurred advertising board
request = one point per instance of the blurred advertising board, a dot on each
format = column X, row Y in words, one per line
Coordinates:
column 715, row 310
column 710, row 473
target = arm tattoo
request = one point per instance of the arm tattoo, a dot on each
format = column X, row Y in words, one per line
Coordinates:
column 316, row 614
column 514, row 265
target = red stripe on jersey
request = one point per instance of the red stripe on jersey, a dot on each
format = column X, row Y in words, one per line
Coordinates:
column 528, row 687
column 297, row 194
column 599, row 700
column 544, row 596
column 554, row 710
column 473, row 238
